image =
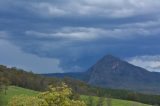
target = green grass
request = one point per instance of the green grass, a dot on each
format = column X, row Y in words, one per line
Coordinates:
column 114, row 102
column 13, row 91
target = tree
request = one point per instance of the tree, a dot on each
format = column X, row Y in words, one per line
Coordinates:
column 55, row 96
column 1, row 98
column 0, row 85
column 101, row 101
column 4, row 83
column 0, row 92
column 90, row 101
column 132, row 96
column 134, row 104
column 60, row 96
column 109, row 101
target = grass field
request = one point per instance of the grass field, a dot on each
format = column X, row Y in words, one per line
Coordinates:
column 13, row 91
column 115, row 102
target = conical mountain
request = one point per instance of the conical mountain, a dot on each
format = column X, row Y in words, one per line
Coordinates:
column 113, row 72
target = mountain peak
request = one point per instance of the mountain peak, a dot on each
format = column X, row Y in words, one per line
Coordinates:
column 109, row 55
column 109, row 59
column 107, row 64
column 113, row 72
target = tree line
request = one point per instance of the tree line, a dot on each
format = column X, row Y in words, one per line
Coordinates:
column 21, row 78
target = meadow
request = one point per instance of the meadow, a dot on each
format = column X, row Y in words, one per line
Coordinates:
column 13, row 91
column 114, row 102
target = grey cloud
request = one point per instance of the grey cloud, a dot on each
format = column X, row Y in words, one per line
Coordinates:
column 91, row 33
column 149, row 62
column 85, row 8
column 4, row 35
column 12, row 56
column 102, row 8
column 77, row 33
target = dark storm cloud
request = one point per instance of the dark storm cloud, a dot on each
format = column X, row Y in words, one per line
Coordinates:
column 77, row 33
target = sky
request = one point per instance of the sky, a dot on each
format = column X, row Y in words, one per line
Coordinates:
column 50, row 36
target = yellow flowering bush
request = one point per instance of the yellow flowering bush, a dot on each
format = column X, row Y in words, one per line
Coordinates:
column 23, row 100
column 55, row 96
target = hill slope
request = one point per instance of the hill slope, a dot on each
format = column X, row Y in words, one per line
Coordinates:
column 115, row 73
column 114, row 102
column 13, row 91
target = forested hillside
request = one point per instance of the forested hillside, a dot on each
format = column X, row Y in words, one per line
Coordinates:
column 113, row 72
column 24, row 79
column 21, row 78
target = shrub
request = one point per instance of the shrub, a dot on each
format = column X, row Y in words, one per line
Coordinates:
column 55, row 96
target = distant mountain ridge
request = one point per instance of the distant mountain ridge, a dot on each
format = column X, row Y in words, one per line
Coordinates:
column 112, row 72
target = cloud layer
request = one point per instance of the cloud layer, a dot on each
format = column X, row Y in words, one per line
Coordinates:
column 12, row 56
column 102, row 8
column 76, row 33
column 151, row 63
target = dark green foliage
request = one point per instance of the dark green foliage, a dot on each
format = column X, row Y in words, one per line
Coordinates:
column 101, row 101
column 36, row 82
column 1, row 98
column 109, row 101
column 40, row 83
column 1, row 92
column 90, row 101
column 24, row 79
column 127, row 95
column 4, row 84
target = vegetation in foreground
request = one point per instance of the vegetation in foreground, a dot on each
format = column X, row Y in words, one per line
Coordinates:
column 35, row 82
column 12, row 91
column 89, row 100
column 55, row 96
column 100, row 101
